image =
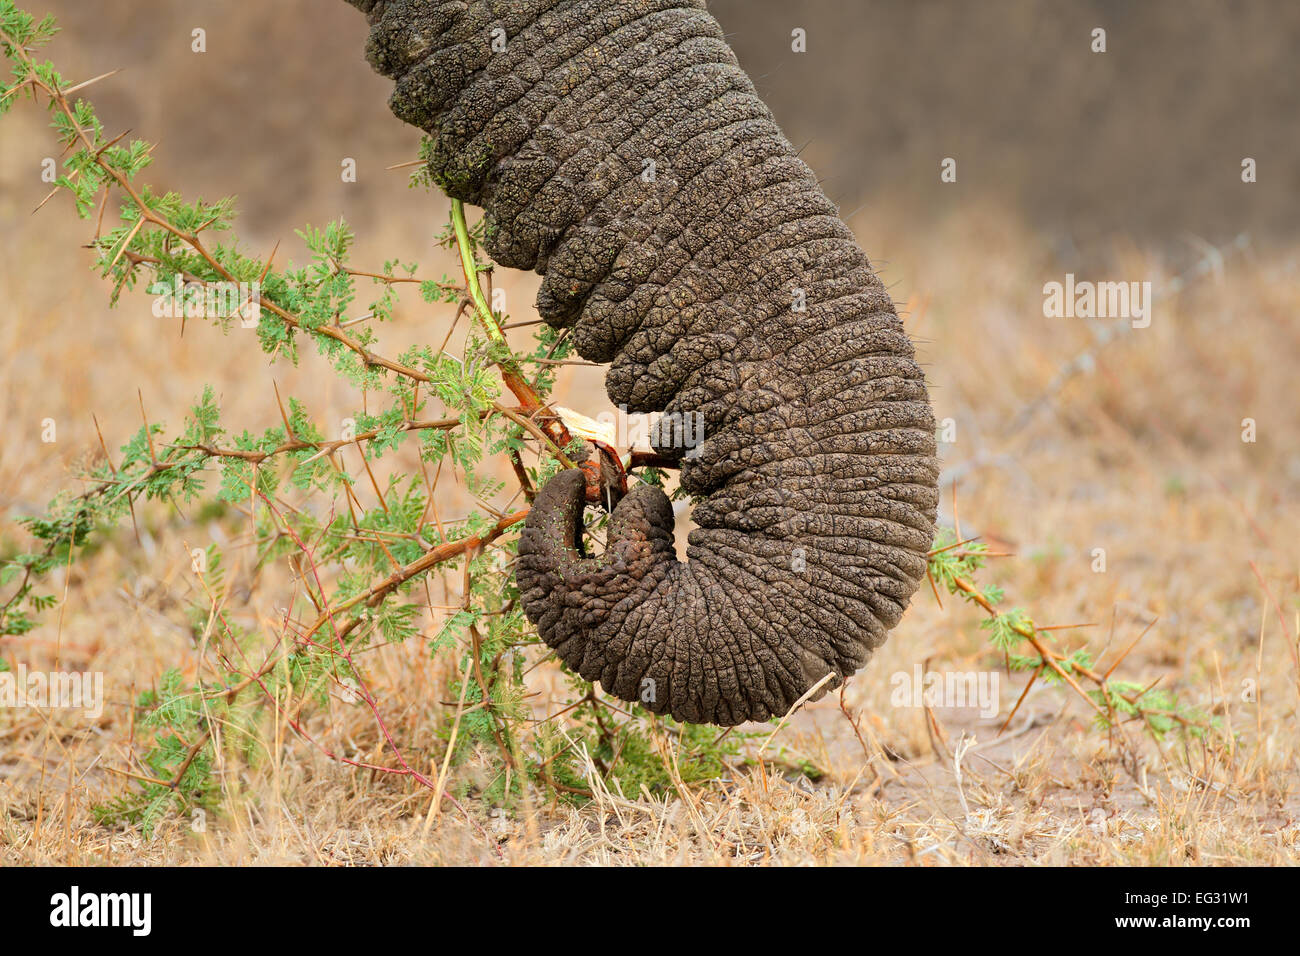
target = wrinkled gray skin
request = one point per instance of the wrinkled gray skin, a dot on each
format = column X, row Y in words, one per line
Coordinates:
column 816, row 486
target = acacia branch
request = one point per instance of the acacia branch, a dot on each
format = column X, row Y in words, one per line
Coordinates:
column 510, row 373
column 192, row 239
column 1053, row 660
column 374, row 595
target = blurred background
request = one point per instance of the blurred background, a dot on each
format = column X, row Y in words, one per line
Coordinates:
column 1145, row 139
column 1119, row 165
column 1067, row 436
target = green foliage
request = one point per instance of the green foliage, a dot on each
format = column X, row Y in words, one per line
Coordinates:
column 444, row 405
column 180, row 773
column 954, row 566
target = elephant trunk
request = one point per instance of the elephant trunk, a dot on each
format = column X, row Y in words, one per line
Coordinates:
column 617, row 147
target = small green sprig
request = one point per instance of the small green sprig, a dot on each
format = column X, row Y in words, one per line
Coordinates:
column 954, row 566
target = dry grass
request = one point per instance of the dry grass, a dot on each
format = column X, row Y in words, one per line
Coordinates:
column 1140, row 454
